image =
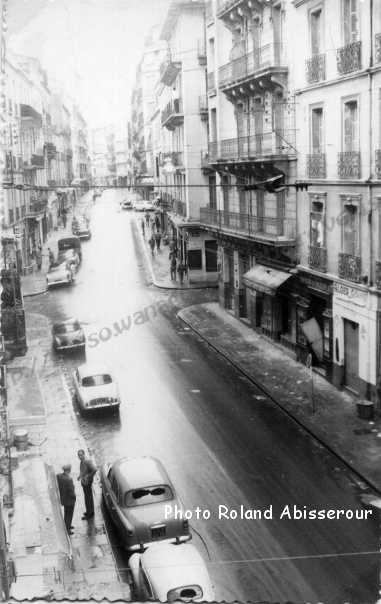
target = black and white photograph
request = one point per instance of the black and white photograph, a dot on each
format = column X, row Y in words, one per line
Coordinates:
column 190, row 301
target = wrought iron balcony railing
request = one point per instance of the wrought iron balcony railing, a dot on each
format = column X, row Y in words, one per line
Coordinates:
column 349, row 164
column 378, row 163
column 316, row 165
column 267, row 56
column 349, row 267
column 203, row 104
column 246, row 224
column 315, row 68
column 377, row 279
column 179, row 207
column 201, row 52
column 224, row 5
column 172, row 114
column 251, row 147
column 377, row 48
column 211, row 81
column 348, row 58
column 36, row 207
column 317, row 258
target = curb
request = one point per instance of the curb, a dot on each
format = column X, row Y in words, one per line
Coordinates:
column 31, row 295
column 154, row 280
column 299, row 422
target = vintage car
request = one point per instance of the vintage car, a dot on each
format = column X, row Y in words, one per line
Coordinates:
column 166, row 572
column 139, row 206
column 95, row 388
column 70, row 243
column 80, row 228
column 136, row 493
column 126, row 204
column 59, row 274
column 70, row 257
column 68, row 335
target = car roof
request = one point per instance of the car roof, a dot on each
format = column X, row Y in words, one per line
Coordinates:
column 66, row 322
column 169, row 566
column 90, row 369
column 140, row 472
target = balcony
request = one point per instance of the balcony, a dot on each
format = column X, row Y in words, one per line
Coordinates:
column 209, row 11
column 250, row 148
column 36, row 208
column 349, row 164
column 315, row 68
column 317, row 258
column 349, row 267
column 316, row 165
column 377, row 48
column 177, row 158
column 179, row 207
column 38, row 161
column 279, row 231
column 168, row 72
column 255, row 68
column 378, row 164
column 30, row 116
column 348, row 58
column 203, row 106
column 377, row 279
column 50, row 150
column 172, row 115
column 211, row 82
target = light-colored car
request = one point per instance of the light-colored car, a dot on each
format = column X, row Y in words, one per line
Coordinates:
column 70, row 257
column 95, row 388
column 139, row 206
column 149, row 206
column 167, row 573
column 68, row 335
column 80, row 228
column 126, row 204
column 60, row 274
column 142, row 500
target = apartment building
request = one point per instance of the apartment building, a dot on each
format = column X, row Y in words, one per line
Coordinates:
column 81, row 155
column 184, row 121
column 252, row 139
column 338, row 90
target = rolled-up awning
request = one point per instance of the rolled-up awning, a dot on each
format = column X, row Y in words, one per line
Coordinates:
column 264, row 279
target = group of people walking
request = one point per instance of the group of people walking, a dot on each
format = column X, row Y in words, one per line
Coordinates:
column 66, row 488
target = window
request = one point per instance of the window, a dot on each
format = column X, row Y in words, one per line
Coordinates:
column 194, row 259
column 315, row 31
column 211, row 54
column 212, row 192
column 350, row 230
column 11, row 217
column 317, row 230
column 316, row 140
column 351, row 126
column 350, row 21
column 147, row 495
column 213, row 125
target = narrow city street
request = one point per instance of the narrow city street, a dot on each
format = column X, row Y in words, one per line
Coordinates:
column 221, row 444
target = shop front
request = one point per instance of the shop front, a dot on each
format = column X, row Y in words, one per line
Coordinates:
column 355, row 329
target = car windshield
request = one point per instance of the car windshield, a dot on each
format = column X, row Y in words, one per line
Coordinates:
column 190, row 592
column 96, row 380
column 146, row 495
column 67, row 327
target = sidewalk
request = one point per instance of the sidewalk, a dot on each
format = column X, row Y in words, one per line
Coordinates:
column 158, row 262
column 335, row 423
column 48, row 562
column 35, row 283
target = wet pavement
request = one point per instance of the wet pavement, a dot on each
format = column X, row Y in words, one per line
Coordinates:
column 221, row 443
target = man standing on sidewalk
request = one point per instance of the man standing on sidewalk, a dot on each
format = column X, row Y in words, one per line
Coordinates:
column 67, row 496
column 87, row 471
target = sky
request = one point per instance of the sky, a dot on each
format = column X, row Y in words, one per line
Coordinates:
column 92, row 47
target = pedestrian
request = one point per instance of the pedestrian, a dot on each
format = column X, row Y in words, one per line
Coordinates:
column 152, row 244
column 143, row 227
column 147, row 218
column 87, row 471
column 51, row 257
column 67, row 496
column 157, row 222
column 158, row 240
column 181, row 270
column 173, row 266
column 64, row 218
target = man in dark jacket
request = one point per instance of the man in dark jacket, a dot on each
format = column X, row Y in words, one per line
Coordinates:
column 87, row 471
column 67, row 495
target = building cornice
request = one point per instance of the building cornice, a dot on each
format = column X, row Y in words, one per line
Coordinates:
column 298, row 3
column 326, row 84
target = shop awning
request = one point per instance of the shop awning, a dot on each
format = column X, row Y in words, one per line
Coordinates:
column 312, row 331
column 265, row 279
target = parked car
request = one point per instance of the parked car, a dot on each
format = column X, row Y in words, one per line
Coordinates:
column 70, row 243
column 167, row 573
column 68, row 335
column 69, row 256
column 135, row 492
column 95, row 388
column 126, row 204
column 60, row 274
column 139, row 206
column 80, row 228
column 149, row 206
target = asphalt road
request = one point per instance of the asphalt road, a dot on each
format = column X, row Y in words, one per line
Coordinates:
column 221, row 443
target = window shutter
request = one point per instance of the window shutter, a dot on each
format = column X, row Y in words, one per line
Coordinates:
column 346, row 21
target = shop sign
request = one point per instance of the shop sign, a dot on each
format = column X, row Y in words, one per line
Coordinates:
column 318, row 284
column 349, row 294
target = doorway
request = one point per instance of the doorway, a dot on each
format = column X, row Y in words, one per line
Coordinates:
column 351, row 354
